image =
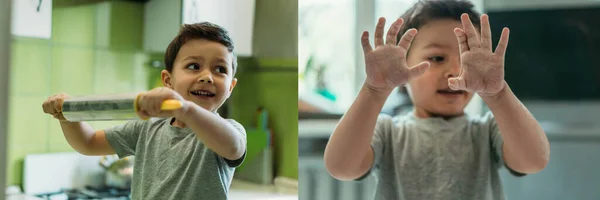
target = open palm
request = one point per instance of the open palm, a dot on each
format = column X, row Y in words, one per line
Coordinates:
column 386, row 65
column 482, row 71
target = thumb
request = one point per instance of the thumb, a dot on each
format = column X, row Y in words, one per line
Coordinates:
column 59, row 116
column 418, row 69
column 457, row 83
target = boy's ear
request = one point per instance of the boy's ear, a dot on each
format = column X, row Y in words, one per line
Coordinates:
column 166, row 78
column 233, row 83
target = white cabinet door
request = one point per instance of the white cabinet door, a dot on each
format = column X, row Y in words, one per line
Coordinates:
column 234, row 15
column 32, row 18
column 162, row 20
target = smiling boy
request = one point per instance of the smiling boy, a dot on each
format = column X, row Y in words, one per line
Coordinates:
column 188, row 153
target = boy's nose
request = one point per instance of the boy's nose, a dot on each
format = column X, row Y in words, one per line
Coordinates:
column 453, row 70
column 206, row 79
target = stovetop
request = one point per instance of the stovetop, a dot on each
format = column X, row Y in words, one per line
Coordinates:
column 89, row 192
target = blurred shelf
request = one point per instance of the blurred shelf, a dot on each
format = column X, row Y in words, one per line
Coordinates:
column 319, row 116
column 316, row 128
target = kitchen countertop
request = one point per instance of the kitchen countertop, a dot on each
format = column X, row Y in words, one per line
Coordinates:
column 243, row 190
column 240, row 190
column 21, row 197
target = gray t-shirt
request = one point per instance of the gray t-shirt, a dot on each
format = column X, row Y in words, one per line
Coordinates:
column 434, row 158
column 171, row 162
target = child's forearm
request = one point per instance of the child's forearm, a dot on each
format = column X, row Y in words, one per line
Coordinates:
column 526, row 148
column 214, row 131
column 348, row 154
column 78, row 135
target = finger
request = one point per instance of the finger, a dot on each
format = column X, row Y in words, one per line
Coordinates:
column 472, row 38
column 418, row 69
column 457, row 83
column 57, row 105
column 143, row 115
column 407, row 38
column 379, row 32
column 393, row 31
column 141, row 100
column 462, row 40
column 486, row 33
column 50, row 106
column 46, row 106
column 364, row 40
column 155, row 105
column 148, row 107
column 503, row 43
column 141, row 106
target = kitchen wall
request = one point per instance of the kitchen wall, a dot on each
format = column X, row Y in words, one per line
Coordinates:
column 96, row 48
column 274, row 83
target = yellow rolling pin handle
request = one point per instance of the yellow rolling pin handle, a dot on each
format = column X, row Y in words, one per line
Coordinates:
column 170, row 104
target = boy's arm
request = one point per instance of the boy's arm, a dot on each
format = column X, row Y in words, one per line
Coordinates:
column 525, row 148
column 215, row 132
column 82, row 137
column 348, row 154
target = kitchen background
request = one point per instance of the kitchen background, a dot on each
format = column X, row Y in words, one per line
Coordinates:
column 550, row 65
column 116, row 46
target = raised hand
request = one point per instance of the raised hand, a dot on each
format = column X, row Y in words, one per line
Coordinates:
column 53, row 105
column 386, row 64
column 150, row 103
column 482, row 71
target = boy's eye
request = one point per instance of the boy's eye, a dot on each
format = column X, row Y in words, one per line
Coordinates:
column 436, row 58
column 221, row 69
column 193, row 66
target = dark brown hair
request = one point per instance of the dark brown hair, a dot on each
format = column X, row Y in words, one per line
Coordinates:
column 203, row 30
column 425, row 11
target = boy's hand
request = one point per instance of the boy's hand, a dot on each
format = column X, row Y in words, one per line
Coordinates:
column 53, row 105
column 482, row 71
column 386, row 64
column 149, row 103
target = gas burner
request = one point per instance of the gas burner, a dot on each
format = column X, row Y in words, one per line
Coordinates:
column 89, row 192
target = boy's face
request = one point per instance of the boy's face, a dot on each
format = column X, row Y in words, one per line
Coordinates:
column 202, row 73
column 430, row 92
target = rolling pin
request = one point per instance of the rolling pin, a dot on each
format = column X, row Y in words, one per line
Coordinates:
column 107, row 107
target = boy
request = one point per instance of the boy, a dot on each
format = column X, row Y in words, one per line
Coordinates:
column 436, row 151
column 190, row 153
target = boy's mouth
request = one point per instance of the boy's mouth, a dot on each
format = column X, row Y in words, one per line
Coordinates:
column 449, row 91
column 203, row 93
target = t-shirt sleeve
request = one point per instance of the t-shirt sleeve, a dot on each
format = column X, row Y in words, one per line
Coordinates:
column 378, row 141
column 124, row 138
column 497, row 143
column 242, row 133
